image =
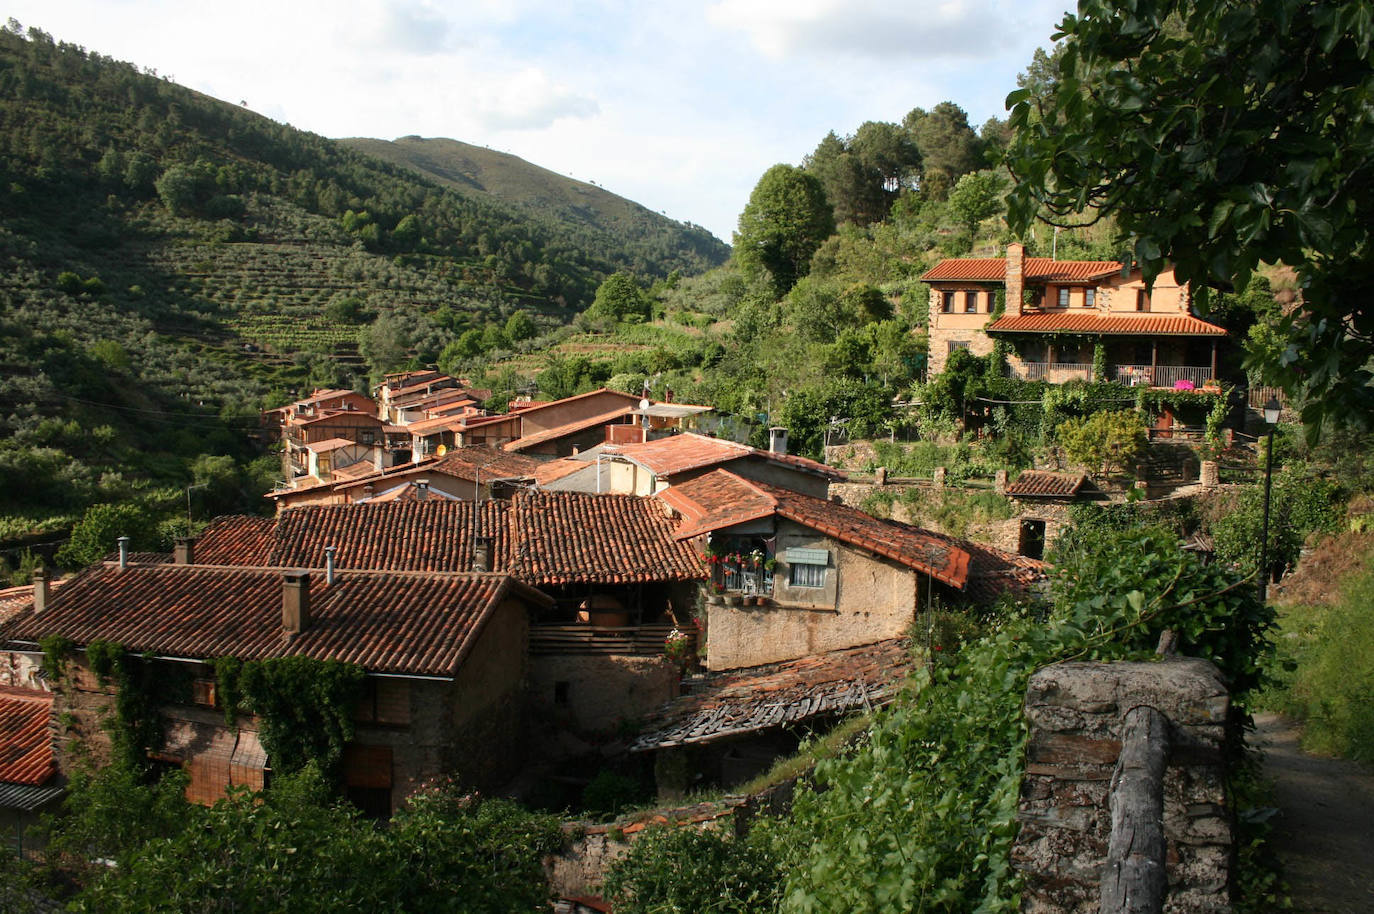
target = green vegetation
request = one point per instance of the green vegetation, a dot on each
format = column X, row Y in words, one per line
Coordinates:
column 1325, row 669
column 1215, row 131
column 295, row 848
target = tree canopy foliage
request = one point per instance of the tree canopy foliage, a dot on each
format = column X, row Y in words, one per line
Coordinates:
column 784, row 222
column 1222, row 134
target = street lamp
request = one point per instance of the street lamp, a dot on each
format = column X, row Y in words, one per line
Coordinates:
column 1271, row 418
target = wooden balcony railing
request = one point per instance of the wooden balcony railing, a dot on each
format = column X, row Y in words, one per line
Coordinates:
column 1054, row 372
column 1161, row 375
column 638, row 640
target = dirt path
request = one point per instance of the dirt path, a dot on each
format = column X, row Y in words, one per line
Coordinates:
column 1325, row 833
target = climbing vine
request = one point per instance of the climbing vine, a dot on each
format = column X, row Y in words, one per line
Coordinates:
column 141, row 687
column 56, row 650
column 304, row 708
column 228, row 671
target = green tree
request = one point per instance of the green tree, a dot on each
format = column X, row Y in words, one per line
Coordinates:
column 863, row 174
column 1105, row 441
column 96, row 535
column 520, row 326
column 619, row 300
column 977, row 196
column 948, row 146
column 385, row 343
column 1222, row 134
column 784, row 222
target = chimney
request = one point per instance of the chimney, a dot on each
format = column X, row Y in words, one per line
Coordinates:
column 329, row 564
column 295, row 602
column 368, row 491
column 481, row 553
column 1015, row 279
column 123, row 552
column 421, row 489
column 42, row 589
column 184, row 550
column 777, row 440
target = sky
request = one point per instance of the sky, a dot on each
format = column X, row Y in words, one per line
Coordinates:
column 680, row 106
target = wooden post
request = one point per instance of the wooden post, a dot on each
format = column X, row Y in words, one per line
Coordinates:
column 1135, row 880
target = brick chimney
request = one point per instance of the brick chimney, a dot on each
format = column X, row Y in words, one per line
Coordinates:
column 42, row 589
column 421, row 489
column 184, row 550
column 481, row 553
column 1015, row 280
column 295, row 602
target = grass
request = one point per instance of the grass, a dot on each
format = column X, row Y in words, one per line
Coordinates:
column 1324, row 669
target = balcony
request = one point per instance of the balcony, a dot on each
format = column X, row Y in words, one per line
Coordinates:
column 1161, row 375
column 1054, row 372
column 581, row 638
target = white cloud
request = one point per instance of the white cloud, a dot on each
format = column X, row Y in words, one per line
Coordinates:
column 529, row 100
column 878, row 29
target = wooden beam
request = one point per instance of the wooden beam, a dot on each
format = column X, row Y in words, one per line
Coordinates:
column 1135, row 880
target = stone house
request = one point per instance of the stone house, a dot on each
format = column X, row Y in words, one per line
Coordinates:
column 1053, row 314
column 1044, row 500
column 798, row 576
column 443, row 653
column 29, row 785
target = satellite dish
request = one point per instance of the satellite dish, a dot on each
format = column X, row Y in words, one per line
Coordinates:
column 441, row 450
column 644, row 403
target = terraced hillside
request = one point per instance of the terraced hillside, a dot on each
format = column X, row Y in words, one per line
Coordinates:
column 171, row 264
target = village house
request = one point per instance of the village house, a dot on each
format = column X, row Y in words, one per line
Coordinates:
column 1044, row 500
column 645, row 468
column 1053, row 314
column 793, row 575
column 465, row 474
column 444, row 654
column 569, row 426
column 29, row 785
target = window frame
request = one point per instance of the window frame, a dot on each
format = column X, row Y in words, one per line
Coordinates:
column 947, row 302
column 971, row 302
column 1063, row 296
column 803, row 574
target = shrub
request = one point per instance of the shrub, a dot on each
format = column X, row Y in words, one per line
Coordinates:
column 685, row 870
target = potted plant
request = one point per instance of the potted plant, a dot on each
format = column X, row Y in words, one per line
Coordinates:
column 714, row 594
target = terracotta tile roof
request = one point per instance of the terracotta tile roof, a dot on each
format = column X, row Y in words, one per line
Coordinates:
column 15, row 599
column 993, row 572
column 565, row 537
column 416, row 624
column 1039, row 483
column 437, row 424
column 1144, row 324
column 551, row 471
column 570, row 428
column 236, row 539
column 25, row 738
column 330, row 444
column 526, row 408
column 722, row 499
column 1034, row 269
column 491, row 463
column 408, row 491
column 329, row 415
column 759, row 698
column 688, row 451
column 430, row 535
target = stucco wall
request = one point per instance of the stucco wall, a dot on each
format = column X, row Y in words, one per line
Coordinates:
column 865, row 599
column 601, row 689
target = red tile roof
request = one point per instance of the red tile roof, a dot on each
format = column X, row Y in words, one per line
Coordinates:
column 566, row 537
column 330, row 444
column 1144, row 324
column 25, row 738
column 1047, row 485
column 416, row 624
column 551, row 471
column 526, row 408
column 721, row 499
column 1034, row 269
column 437, row 424
column 688, row 451
column 236, row 539
column 780, row 694
column 570, row 428
column 430, row 535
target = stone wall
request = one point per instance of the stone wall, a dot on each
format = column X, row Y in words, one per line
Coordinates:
column 1075, row 711
column 593, row 692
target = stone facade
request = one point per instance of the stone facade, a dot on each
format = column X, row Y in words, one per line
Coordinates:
column 1074, row 712
column 863, row 598
column 591, row 693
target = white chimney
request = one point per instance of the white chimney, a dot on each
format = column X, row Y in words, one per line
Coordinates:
column 777, row 440
column 329, row 564
column 123, row 552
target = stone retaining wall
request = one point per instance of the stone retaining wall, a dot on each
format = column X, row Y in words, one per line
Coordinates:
column 1075, row 712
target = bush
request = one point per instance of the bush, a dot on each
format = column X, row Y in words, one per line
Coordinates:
column 686, row 870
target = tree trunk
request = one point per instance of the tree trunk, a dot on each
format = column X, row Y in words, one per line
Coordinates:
column 1135, row 880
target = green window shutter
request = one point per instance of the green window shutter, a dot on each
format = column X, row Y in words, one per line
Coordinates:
column 807, row 556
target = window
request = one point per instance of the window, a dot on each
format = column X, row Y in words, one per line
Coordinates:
column 1090, row 298
column 1142, row 300
column 947, row 302
column 970, row 302
column 805, row 575
column 1063, row 296
column 203, row 692
column 955, row 345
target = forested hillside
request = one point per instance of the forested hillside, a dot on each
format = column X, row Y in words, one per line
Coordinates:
column 170, row 264
column 597, row 218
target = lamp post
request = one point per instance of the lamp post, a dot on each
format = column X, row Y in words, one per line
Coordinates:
column 1271, row 418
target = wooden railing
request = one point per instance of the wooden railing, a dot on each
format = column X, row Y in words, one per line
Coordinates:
column 638, row 640
column 1055, row 372
column 1161, row 375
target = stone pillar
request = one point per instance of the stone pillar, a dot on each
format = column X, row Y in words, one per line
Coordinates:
column 938, row 477
column 1000, row 480
column 1075, row 712
column 1211, row 478
column 880, row 476
column 1015, row 277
